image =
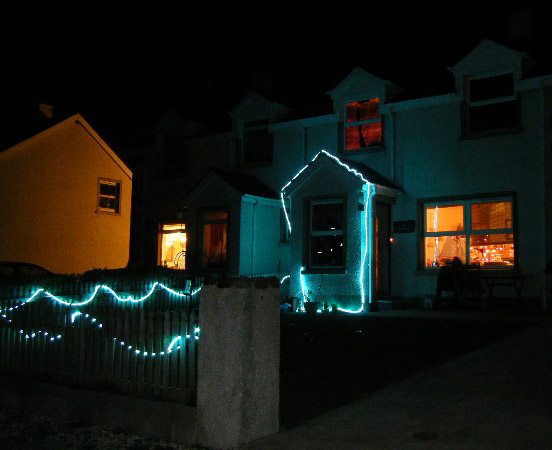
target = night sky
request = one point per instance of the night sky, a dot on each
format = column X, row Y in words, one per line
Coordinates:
column 121, row 75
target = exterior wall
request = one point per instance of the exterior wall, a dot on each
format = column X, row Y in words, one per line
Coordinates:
column 163, row 197
column 260, row 249
column 342, row 288
column 434, row 161
column 49, row 191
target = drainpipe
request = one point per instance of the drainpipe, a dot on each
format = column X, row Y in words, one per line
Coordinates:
column 392, row 143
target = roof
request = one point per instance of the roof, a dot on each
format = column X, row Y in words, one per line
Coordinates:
column 357, row 169
column 246, row 184
column 75, row 119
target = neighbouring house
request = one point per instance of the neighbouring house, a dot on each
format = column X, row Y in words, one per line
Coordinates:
column 377, row 193
column 65, row 201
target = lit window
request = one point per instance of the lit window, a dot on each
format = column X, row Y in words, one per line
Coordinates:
column 215, row 237
column 475, row 231
column 491, row 104
column 363, row 127
column 109, row 196
column 326, row 234
column 256, row 143
column 173, row 246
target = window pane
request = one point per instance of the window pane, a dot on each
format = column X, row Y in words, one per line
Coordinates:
column 111, row 189
column 445, row 218
column 496, row 116
column 491, row 250
column 214, row 245
column 173, row 248
column 109, row 203
column 362, row 136
column 327, row 216
column 222, row 215
column 327, row 251
column 492, row 87
column 366, row 110
column 174, row 227
column 440, row 251
column 489, row 216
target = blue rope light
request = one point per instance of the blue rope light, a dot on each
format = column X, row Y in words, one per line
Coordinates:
column 367, row 254
column 37, row 334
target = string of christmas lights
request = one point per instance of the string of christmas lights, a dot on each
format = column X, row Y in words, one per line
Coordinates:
column 51, row 337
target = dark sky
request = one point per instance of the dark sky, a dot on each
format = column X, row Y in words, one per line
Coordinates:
column 121, row 74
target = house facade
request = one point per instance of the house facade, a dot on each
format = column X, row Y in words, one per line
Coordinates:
column 382, row 191
column 65, row 201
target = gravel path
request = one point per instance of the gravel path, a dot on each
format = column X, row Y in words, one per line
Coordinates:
column 23, row 431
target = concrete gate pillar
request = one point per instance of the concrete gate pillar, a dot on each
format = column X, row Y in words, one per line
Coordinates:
column 238, row 362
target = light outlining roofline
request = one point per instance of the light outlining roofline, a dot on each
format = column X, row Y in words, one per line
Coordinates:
column 367, row 254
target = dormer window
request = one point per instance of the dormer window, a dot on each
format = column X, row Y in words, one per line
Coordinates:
column 256, row 143
column 491, row 104
column 363, row 127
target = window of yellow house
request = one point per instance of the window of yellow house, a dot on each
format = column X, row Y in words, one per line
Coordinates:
column 109, row 196
column 475, row 231
column 173, row 246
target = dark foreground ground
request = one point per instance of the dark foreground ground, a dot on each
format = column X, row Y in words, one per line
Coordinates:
column 28, row 431
column 329, row 361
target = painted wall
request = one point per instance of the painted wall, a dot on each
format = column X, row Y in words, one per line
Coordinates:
column 343, row 288
column 49, row 197
column 260, row 249
column 434, row 161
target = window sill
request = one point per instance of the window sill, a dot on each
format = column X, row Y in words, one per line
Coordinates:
column 110, row 213
column 322, row 271
column 365, row 150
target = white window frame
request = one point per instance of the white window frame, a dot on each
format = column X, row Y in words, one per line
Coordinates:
column 467, row 231
column 336, row 232
column 490, row 101
column 106, row 181
column 360, row 123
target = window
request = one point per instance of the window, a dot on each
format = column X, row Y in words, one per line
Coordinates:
column 363, row 127
column 256, row 143
column 475, row 231
column 109, row 196
column 326, row 231
column 215, row 236
column 172, row 252
column 174, row 157
column 491, row 104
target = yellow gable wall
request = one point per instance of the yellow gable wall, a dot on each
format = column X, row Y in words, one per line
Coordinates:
column 48, row 203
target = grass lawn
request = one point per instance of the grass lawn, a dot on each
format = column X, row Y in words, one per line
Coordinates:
column 328, row 360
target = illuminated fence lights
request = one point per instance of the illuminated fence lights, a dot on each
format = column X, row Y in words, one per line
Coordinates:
column 95, row 292
column 366, row 254
column 175, row 344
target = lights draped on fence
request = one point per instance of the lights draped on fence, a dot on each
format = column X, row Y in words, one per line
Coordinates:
column 51, row 337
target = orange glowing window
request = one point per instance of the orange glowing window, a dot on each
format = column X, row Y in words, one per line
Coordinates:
column 363, row 126
column 173, row 246
column 475, row 231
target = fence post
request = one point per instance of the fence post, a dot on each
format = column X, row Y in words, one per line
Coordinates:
column 238, row 362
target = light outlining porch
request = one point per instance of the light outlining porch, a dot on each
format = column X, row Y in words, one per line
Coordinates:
column 369, row 191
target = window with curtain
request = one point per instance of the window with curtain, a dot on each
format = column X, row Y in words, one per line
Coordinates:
column 363, row 126
column 478, row 231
